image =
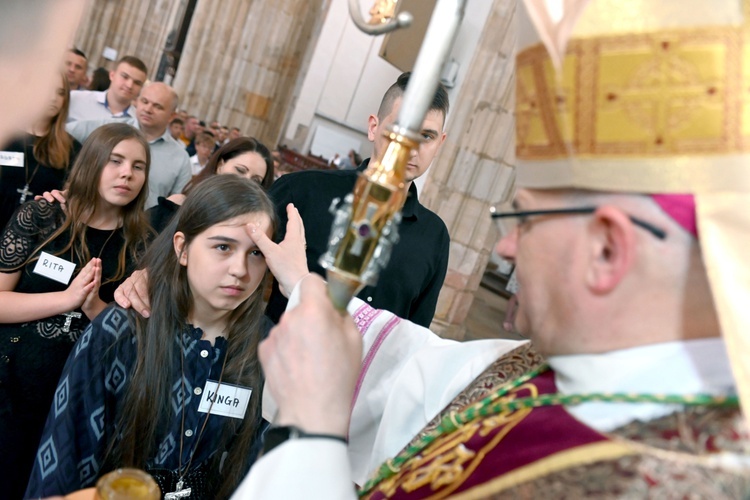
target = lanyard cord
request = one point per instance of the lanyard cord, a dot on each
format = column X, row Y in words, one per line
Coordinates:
column 205, row 420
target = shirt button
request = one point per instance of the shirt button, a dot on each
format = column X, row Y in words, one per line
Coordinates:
column 188, row 432
column 204, row 353
column 197, row 391
column 369, row 299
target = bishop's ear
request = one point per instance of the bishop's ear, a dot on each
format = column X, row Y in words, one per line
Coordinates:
column 178, row 241
column 611, row 249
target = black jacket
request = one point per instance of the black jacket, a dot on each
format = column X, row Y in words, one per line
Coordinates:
column 410, row 284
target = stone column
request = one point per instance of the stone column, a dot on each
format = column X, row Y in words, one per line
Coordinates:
column 475, row 166
column 242, row 59
column 133, row 27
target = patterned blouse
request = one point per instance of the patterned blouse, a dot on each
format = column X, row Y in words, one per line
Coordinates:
column 33, row 353
column 88, row 403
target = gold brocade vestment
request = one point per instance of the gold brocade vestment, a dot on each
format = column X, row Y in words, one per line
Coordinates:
column 545, row 452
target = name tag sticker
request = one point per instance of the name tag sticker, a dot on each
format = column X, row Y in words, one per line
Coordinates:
column 54, row 268
column 228, row 401
column 11, row 159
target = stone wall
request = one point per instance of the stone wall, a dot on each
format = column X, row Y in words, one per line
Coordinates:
column 475, row 166
column 133, row 27
column 242, row 60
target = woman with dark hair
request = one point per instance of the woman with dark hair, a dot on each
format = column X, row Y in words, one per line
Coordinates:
column 39, row 160
column 58, row 269
column 186, row 403
column 245, row 157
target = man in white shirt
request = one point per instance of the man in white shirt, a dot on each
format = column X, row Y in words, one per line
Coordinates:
column 126, row 79
column 204, row 146
column 622, row 290
column 170, row 164
column 223, row 135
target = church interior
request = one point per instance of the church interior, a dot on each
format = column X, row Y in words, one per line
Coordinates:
column 298, row 74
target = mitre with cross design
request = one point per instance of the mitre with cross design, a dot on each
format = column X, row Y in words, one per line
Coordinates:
column 653, row 97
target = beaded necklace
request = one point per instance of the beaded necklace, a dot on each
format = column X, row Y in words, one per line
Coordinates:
column 493, row 405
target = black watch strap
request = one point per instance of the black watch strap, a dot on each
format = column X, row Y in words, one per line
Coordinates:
column 277, row 435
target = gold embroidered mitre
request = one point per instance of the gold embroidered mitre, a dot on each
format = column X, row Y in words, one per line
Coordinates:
column 648, row 96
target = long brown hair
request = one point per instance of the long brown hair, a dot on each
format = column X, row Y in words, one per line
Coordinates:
column 83, row 197
column 232, row 149
column 53, row 148
column 146, row 405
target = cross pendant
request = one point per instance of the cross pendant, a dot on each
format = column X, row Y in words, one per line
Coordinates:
column 179, row 492
column 69, row 319
column 25, row 192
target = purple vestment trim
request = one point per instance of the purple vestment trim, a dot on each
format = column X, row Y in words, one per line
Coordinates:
column 389, row 326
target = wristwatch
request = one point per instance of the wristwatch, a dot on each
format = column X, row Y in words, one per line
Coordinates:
column 277, row 435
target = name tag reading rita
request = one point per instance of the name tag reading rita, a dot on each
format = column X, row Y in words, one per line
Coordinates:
column 54, row 268
column 11, row 159
column 228, row 401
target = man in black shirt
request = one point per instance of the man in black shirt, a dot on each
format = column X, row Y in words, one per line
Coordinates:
column 410, row 284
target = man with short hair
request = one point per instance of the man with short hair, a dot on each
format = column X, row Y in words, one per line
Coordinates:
column 204, row 146
column 170, row 164
column 215, row 128
column 198, row 129
column 176, row 128
column 410, row 284
column 630, row 246
column 192, row 125
column 223, row 135
column 126, row 81
column 76, row 68
column 235, row 133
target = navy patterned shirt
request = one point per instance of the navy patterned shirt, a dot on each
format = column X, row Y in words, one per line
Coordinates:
column 88, row 403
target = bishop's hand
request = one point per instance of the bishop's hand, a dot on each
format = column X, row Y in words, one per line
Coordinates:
column 311, row 360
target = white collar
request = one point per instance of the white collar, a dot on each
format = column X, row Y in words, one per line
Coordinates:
column 103, row 99
column 682, row 368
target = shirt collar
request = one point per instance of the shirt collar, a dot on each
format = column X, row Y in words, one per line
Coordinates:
column 680, row 368
column 102, row 99
column 411, row 204
column 166, row 136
